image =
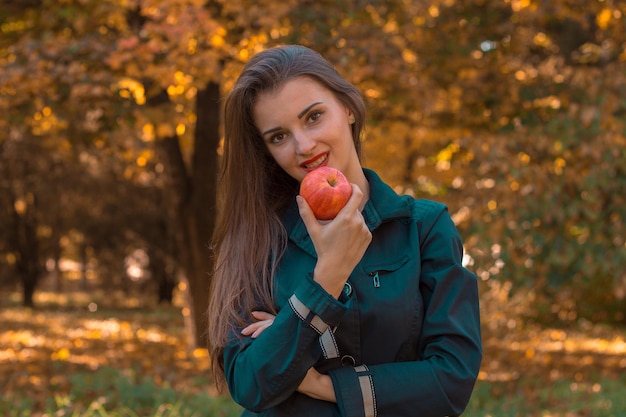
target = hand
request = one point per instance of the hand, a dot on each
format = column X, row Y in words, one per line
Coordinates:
column 339, row 243
column 265, row 320
column 317, row 386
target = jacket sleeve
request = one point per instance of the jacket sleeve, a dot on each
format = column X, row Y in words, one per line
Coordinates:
column 440, row 382
column 263, row 372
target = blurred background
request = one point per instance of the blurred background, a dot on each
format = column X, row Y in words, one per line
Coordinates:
column 512, row 112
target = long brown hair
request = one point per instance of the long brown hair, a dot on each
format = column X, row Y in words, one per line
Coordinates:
column 249, row 238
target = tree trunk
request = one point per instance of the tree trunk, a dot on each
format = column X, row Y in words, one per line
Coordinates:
column 57, row 274
column 201, row 209
column 27, row 248
column 194, row 194
column 83, row 266
column 161, row 267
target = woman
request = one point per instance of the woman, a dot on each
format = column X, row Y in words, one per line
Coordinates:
column 370, row 314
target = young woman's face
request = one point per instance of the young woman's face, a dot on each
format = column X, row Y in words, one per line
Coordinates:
column 304, row 126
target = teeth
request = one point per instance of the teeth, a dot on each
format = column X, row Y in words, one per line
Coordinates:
column 318, row 162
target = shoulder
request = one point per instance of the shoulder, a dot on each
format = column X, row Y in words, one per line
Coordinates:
column 385, row 205
column 432, row 219
column 423, row 209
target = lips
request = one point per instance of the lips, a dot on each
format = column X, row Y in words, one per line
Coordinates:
column 315, row 162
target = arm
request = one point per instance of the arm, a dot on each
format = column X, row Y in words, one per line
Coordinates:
column 318, row 386
column 347, row 231
column 264, row 371
column 440, row 382
column 315, row 385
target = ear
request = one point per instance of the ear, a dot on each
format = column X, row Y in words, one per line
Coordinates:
column 351, row 118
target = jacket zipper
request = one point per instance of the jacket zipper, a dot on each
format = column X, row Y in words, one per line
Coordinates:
column 375, row 279
column 385, row 269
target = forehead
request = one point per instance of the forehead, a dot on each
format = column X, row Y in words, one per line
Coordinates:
column 289, row 98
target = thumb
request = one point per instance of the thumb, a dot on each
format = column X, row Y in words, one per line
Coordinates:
column 307, row 215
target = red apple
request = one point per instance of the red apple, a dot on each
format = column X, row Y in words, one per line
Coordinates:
column 326, row 190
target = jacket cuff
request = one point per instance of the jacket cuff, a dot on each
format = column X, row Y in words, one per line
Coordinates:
column 315, row 306
column 354, row 390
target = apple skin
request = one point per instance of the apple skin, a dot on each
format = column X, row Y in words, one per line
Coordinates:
column 326, row 190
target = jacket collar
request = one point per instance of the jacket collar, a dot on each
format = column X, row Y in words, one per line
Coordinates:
column 383, row 205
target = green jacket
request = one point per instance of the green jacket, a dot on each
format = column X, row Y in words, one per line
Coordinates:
column 402, row 340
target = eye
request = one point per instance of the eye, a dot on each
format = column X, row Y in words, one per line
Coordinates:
column 277, row 138
column 314, row 115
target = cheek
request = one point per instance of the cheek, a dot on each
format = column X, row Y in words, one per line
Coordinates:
column 286, row 160
column 281, row 155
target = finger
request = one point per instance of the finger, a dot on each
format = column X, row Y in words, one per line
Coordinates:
column 251, row 328
column 254, row 327
column 262, row 315
column 248, row 330
column 355, row 200
column 260, row 330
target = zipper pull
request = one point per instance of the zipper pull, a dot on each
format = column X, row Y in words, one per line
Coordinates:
column 375, row 279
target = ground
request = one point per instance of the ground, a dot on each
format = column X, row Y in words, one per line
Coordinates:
column 43, row 349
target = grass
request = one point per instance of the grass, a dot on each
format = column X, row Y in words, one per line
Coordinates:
column 110, row 392
column 530, row 397
column 63, row 360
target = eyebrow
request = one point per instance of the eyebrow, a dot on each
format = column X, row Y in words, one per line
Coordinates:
column 302, row 113
column 272, row 130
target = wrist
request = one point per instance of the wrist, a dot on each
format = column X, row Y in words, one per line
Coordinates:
column 328, row 388
column 318, row 386
column 329, row 280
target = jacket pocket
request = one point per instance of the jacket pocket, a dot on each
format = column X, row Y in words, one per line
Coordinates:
column 378, row 271
column 392, row 309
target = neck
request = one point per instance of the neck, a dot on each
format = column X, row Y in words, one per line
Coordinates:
column 360, row 180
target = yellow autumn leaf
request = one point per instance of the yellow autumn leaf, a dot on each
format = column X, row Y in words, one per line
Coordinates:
column 62, row 354
column 523, row 157
column 34, row 380
column 518, row 5
column 164, row 130
column 200, row 353
column 604, row 18
column 147, row 132
column 141, row 161
column 217, row 41
column 94, row 334
column 409, row 56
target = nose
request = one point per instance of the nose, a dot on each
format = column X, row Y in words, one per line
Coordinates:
column 305, row 143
